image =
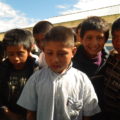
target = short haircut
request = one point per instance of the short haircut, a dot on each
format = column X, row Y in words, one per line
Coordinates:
column 115, row 26
column 15, row 37
column 60, row 34
column 95, row 23
column 42, row 27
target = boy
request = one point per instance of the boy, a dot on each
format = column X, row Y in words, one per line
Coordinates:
column 15, row 71
column 39, row 31
column 1, row 52
column 59, row 91
column 111, row 73
column 94, row 32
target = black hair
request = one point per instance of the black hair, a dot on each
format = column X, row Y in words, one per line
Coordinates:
column 18, row 37
column 42, row 27
column 61, row 34
column 95, row 23
column 115, row 26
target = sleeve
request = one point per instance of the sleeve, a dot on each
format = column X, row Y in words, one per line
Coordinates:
column 28, row 97
column 90, row 100
column 4, row 76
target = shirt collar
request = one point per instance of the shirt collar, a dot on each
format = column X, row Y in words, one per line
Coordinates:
column 63, row 73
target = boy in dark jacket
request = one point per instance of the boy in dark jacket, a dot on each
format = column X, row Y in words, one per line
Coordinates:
column 109, row 79
column 94, row 32
column 15, row 71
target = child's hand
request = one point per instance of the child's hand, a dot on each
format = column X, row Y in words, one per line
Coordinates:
column 31, row 115
column 11, row 115
column 5, row 109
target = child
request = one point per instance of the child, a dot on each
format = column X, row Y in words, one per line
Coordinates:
column 1, row 52
column 94, row 32
column 111, row 73
column 15, row 71
column 59, row 91
column 39, row 31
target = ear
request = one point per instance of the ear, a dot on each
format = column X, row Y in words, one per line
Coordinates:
column 74, row 49
column 29, row 53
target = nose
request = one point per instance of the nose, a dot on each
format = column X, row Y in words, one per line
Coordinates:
column 15, row 58
column 55, row 58
column 95, row 42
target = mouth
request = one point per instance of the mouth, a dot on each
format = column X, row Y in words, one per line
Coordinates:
column 56, row 66
column 93, row 48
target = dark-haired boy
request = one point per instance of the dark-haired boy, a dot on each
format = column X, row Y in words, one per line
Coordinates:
column 90, row 55
column 39, row 31
column 109, row 76
column 15, row 71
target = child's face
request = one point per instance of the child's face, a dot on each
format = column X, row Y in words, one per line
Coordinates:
column 58, row 56
column 17, row 55
column 116, row 40
column 93, row 42
column 38, row 39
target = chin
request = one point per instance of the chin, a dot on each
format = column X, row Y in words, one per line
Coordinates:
column 57, row 71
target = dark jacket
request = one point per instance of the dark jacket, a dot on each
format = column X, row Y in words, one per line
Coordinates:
column 82, row 62
column 107, row 86
column 12, row 82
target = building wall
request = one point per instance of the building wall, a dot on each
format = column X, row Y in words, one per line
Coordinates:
column 73, row 24
column 109, row 19
column 1, row 36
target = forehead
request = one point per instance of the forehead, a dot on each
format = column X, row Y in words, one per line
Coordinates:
column 55, row 45
column 39, row 36
column 94, row 32
column 14, row 48
column 116, row 32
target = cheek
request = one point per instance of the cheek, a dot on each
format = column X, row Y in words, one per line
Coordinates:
column 102, row 42
column 115, row 45
column 86, row 43
column 24, row 58
column 48, row 59
column 101, row 45
column 11, row 59
column 66, row 60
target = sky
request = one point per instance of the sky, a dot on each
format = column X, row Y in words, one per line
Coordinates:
column 25, row 13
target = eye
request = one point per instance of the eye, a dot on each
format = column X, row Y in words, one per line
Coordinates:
column 100, row 38
column 10, row 54
column 48, row 53
column 20, row 53
column 62, row 54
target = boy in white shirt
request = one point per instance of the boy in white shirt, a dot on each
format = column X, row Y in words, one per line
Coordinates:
column 59, row 91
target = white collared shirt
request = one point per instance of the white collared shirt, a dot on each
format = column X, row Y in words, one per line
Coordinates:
column 66, row 96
